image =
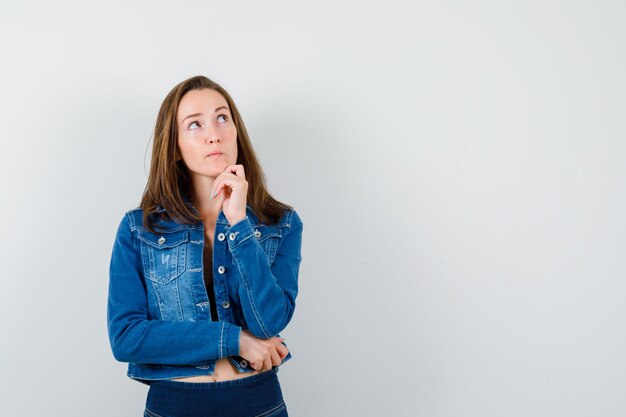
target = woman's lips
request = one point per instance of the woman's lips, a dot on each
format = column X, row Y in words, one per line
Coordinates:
column 215, row 154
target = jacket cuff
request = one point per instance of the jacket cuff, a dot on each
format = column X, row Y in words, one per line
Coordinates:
column 239, row 232
column 229, row 340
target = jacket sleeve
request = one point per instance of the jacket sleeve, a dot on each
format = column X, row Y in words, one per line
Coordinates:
column 267, row 294
column 134, row 337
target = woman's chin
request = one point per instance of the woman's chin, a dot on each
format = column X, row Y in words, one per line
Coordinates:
column 211, row 173
column 218, row 164
column 212, row 169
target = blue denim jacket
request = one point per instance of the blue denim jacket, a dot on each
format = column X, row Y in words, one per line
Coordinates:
column 158, row 311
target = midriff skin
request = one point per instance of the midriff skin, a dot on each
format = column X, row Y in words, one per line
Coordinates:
column 224, row 369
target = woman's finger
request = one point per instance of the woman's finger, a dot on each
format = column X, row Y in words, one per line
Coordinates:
column 225, row 180
column 267, row 363
column 276, row 358
column 237, row 170
column 283, row 350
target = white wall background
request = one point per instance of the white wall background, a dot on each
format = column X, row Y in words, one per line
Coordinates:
column 459, row 168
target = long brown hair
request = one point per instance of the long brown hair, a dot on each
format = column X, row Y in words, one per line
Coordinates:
column 169, row 181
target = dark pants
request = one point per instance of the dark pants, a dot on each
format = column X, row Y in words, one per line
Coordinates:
column 258, row 395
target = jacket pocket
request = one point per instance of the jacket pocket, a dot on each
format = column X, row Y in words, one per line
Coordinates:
column 164, row 254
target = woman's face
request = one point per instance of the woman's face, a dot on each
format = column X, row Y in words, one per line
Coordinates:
column 205, row 125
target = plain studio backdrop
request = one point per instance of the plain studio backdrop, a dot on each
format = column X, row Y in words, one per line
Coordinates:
column 459, row 168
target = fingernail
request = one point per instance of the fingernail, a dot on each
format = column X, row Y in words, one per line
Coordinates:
column 212, row 194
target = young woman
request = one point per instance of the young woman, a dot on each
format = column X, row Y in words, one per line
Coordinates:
column 204, row 273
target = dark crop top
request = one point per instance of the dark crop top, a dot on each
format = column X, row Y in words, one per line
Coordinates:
column 208, row 279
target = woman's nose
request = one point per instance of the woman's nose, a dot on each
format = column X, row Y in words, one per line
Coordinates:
column 212, row 134
column 213, row 139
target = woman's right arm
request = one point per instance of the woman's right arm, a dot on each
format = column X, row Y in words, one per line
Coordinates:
column 136, row 338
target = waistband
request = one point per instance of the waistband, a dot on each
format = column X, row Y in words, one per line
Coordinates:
column 240, row 382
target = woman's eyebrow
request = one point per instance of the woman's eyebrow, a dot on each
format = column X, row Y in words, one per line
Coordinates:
column 200, row 114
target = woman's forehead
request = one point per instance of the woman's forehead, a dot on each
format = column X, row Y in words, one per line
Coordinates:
column 205, row 101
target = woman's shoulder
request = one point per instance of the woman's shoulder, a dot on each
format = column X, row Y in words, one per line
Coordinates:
column 133, row 217
column 290, row 218
column 133, row 210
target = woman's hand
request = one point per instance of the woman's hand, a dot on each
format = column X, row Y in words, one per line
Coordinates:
column 233, row 182
column 261, row 354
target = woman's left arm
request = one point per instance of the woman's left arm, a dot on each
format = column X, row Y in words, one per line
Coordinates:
column 267, row 293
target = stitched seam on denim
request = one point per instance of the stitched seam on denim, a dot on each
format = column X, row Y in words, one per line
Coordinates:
column 254, row 309
column 131, row 225
column 269, row 235
column 135, row 226
column 131, row 220
column 249, row 293
column 151, row 243
column 181, row 315
column 157, row 294
column 273, row 248
column 272, row 410
column 222, row 339
column 165, row 230
column 242, row 240
column 152, row 413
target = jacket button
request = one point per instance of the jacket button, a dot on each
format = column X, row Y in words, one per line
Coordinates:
column 243, row 363
column 257, row 234
column 221, row 269
column 161, row 240
column 221, row 237
column 231, row 236
column 225, row 304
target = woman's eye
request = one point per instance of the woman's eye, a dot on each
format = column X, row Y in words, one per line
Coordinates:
column 191, row 124
column 223, row 115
